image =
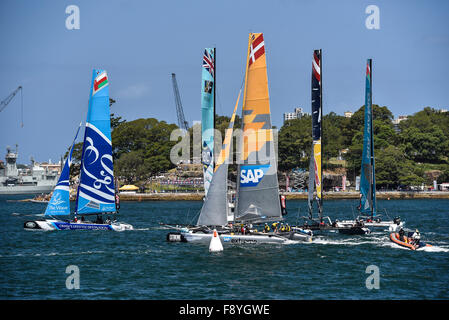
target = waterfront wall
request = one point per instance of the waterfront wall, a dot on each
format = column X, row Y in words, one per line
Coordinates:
column 289, row 195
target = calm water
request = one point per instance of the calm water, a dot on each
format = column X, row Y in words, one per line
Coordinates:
column 140, row 264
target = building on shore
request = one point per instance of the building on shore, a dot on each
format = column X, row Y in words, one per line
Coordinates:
column 296, row 114
column 348, row 114
column 397, row 121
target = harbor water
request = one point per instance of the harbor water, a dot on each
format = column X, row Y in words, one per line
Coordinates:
column 140, row 264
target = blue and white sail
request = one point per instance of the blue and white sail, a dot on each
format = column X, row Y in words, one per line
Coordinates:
column 59, row 204
column 96, row 188
column 367, row 179
column 208, row 116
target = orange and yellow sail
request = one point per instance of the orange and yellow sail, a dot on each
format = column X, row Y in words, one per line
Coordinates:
column 258, row 188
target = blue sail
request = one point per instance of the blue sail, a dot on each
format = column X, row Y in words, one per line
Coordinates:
column 367, row 179
column 208, row 116
column 96, row 188
column 59, row 204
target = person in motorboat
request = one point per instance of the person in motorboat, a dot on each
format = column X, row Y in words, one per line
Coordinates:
column 75, row 220
column 82, row 219
column 401, row 235
column 416, row 237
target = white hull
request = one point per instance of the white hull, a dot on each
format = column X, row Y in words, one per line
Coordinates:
column 53, row 224
column 243, row 239
column 390, row 225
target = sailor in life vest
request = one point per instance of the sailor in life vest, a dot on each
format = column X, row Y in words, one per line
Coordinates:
column 266, row 228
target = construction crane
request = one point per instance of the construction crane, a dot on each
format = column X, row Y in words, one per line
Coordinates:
column 182, row 123
column 8, row 99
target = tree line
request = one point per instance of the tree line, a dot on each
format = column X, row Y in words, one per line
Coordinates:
column 411, row 153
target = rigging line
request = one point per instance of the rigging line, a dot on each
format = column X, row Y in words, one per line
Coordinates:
column 218, row 98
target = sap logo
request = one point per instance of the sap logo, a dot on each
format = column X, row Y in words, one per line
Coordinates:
column 250, row 176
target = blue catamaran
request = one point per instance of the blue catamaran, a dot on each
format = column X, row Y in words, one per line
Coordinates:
column 96, row 193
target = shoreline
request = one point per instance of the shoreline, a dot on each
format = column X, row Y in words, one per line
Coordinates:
column 389, row 195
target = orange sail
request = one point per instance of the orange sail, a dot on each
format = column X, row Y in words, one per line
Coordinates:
column 256, row 105
column 258, row 189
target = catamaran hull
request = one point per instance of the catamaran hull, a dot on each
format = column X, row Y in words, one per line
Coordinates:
column 243, row 239
column 390, row 225
column 51, row 225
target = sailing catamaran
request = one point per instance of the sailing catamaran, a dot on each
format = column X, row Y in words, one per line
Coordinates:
column 96, row 192
column 368, row 206
column 315, row 188
column 257, row 199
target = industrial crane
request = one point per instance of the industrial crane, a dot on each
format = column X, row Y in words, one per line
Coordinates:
column 8, row 99
column 182, row 123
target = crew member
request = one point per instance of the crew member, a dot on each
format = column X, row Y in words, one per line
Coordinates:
column 266, row 228
column 401, row 234
column 416, row 237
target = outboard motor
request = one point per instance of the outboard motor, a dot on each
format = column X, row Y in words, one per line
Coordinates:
column 397, row 220
column 283, row 205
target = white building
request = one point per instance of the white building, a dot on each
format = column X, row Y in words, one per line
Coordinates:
column 399, row 119
column 348, row 114
column 297, row 114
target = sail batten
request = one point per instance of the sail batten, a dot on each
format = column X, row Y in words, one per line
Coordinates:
column 208, row 116
column 258, row 189
column 367, row 179
column 96, row 187
column 59, row 203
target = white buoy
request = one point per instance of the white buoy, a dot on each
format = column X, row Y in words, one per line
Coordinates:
column 215, row 243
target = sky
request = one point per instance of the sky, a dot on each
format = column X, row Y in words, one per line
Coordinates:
column 140, row 43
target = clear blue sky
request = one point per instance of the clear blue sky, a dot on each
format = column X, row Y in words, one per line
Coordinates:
column 140, row 43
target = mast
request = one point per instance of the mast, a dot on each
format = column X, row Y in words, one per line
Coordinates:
column 258, row 193
column 208, row 116
column 215, row 106
column 315, row 166
column 320, row 202
column 96, row 187
column 367, row 174
column 373, row 178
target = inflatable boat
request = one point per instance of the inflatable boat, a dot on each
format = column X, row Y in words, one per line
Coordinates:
column 408, row 242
